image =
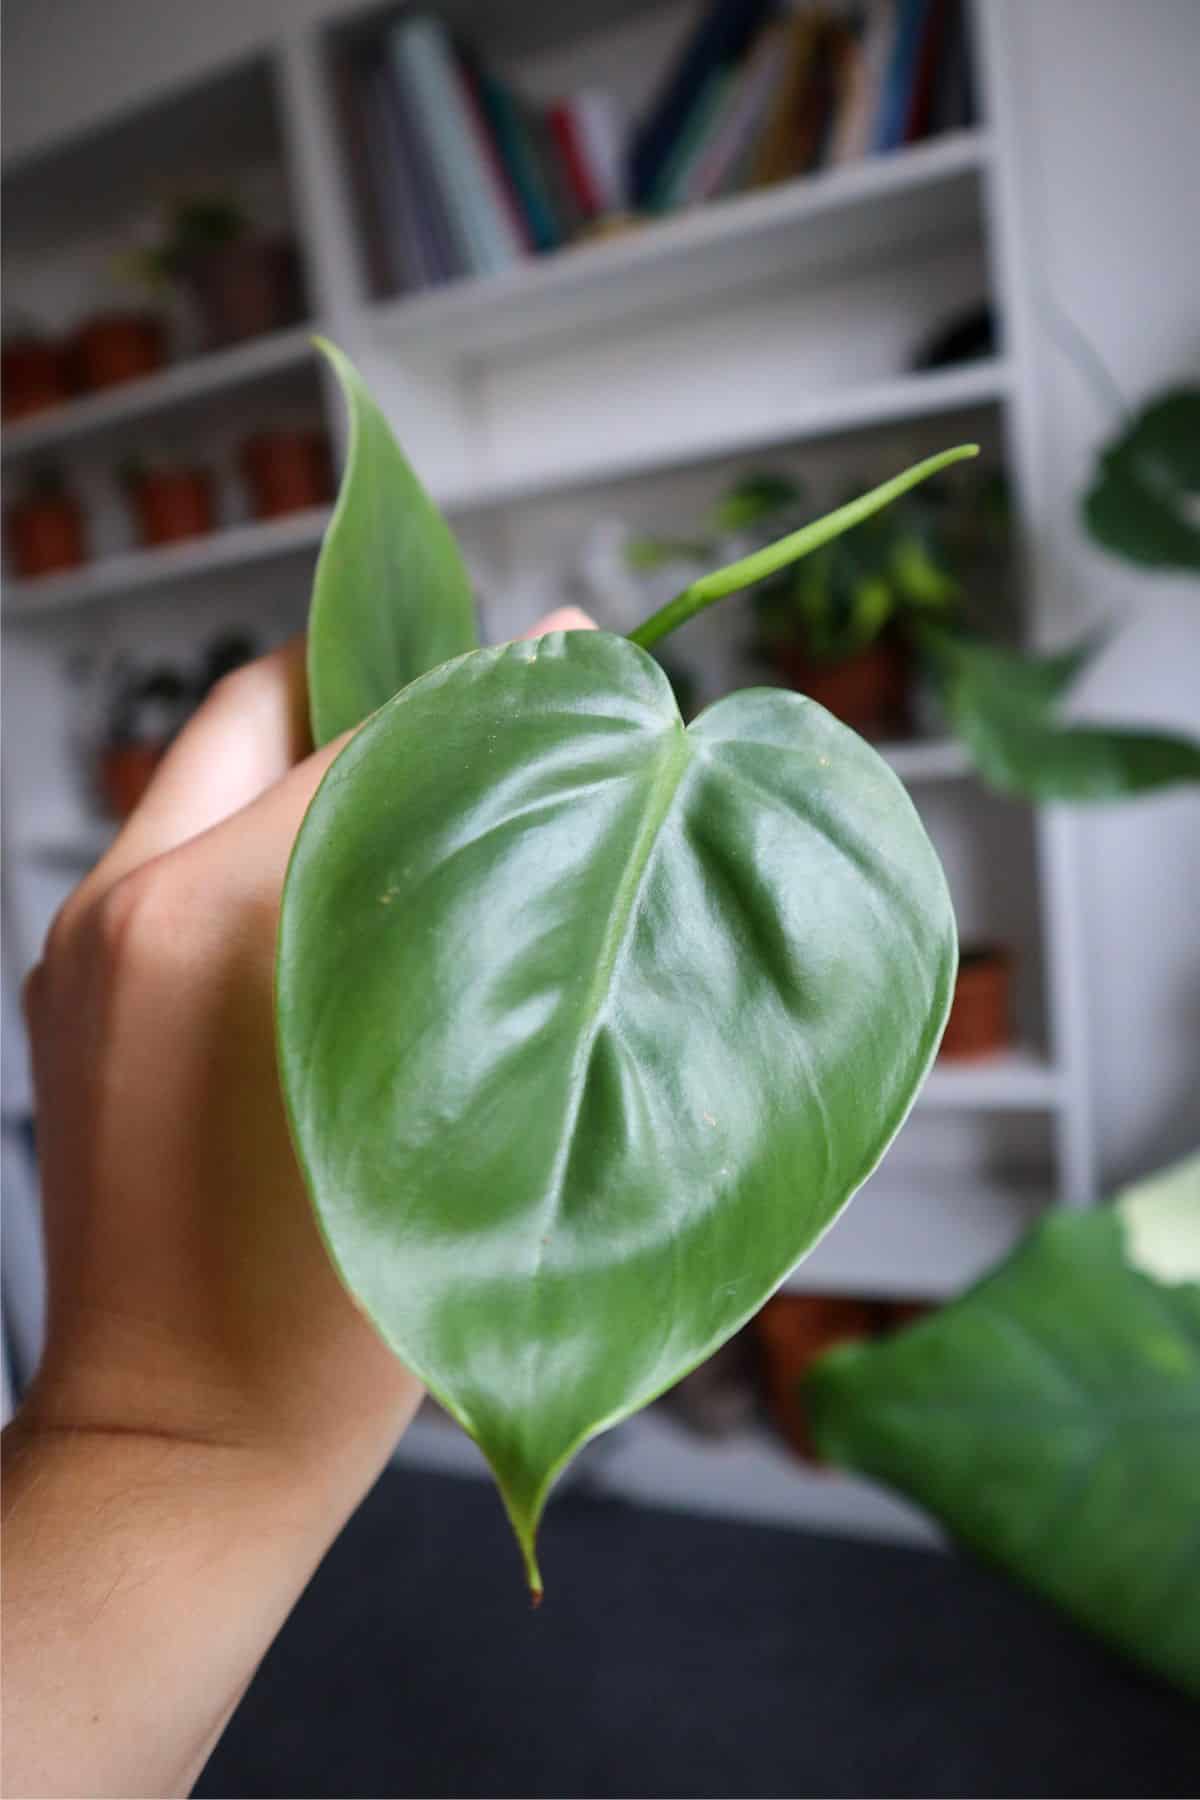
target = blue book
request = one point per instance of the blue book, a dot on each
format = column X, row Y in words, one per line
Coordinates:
column 896, row 94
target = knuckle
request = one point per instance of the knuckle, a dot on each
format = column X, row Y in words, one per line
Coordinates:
column 31, row 992
column 130, row 916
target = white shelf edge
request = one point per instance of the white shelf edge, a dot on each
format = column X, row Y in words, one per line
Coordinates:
column 113, row 577
column 725, row 221
column 1011, row 1080
column 187, row 380
column 863, row 407
column 748, row 1476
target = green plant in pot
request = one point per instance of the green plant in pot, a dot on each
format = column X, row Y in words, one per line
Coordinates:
column 241, row 283
column 589, row 1023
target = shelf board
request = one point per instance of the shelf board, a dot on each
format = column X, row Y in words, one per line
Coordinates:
column 113, row 577
column 863, row 213
column 194, row 379
column 864, row 406
column 654, row 1460
column 1010, row 1081
column 915, row 1235
column 927, row 759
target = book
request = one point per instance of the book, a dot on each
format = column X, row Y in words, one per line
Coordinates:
column 366, row 167
column 573, row 159
column 478, row 206
column 510, row 128
column 746, row 102
column 598, row 126
column 929, row 58
column 953, row 105
column 403, row 236
column 851, row 138
column 777, row 151
column 895, row 97
column 689, row 145
column 723, row 33
column 438, row 198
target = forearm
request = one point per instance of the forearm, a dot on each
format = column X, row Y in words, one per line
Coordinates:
column 144, row 1578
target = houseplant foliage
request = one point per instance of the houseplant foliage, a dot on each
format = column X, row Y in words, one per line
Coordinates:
column 589, row 1024
column 1051, row 1417
column 899, row 576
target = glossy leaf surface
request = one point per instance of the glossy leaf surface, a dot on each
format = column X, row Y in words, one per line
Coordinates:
column 392, row 597
column 1051, row 1419
column 591, row 1024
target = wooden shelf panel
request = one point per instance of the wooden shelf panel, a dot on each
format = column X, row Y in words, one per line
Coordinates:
column 862, row 214
column 177, row 386
column 113, row 577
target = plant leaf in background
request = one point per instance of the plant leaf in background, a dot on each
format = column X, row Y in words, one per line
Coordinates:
column 591, row 1024
column 1002, row 705
column 392, row 597
column 1051, row 1418
column 1144, row 497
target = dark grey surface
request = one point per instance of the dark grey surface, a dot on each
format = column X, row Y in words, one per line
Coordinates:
column 683, row 1657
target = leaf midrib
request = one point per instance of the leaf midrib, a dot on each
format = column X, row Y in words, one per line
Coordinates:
column 672, row 763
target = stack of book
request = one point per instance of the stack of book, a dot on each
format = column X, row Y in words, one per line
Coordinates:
column 459, row 175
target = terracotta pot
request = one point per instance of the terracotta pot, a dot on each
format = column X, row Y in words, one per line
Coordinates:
column 792, row 1330
column 34, row 375
column 287, row 472
column 867, row 691
column 46, row 535
column 173, row 505
column 124, row 774
column 243, row 290
column 980, row 1014
column 117, row 347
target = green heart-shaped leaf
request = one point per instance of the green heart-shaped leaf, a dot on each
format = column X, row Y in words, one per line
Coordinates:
column 1051, row 1418
column 1143, row 498
column 590, row 1025
column 1003, row 705
column 392, row 597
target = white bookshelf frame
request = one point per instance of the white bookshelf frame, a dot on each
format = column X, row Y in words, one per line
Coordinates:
column 847, row 221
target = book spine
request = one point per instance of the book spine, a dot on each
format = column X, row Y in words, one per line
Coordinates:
column 749, row 100
column 365, row 167
column 599, row 130
column 398, row 231
column 504, row 192
column 418, row 105
column 446, row 111
column 516, row 146
column 574, row 162
column 897, row 86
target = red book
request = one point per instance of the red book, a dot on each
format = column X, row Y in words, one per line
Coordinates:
column 569, row 143
column 928, row 59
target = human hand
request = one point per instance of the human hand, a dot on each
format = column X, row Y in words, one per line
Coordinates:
column 190, row 1294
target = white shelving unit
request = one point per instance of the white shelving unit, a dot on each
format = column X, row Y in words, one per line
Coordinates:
column 635, row 372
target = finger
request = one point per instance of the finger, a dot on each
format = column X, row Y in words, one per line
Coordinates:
column 248, row 733
column 563, row 618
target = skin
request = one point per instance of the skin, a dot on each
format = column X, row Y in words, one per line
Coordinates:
column 210, row 1407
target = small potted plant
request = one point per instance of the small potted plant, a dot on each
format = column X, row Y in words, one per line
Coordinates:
column 836, row 625
column 145, row 710
column 45, row 529
column 981, row 1013
column 241, row 284
column 111, row 348
column 169, row 503
column 287, row 471
column 35, row 374
column 792, row 1331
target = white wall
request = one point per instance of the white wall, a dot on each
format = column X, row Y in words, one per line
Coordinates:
column 1111, row 149
column 1111, row 144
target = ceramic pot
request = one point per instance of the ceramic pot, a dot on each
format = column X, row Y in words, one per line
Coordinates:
column 791, row 1331
column 172, row 505
column 244, row 290
column 117, row 347
column 868, row 691
column 46, row 535
column 980, row 1022
column 34, row 376
column 287, row 472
